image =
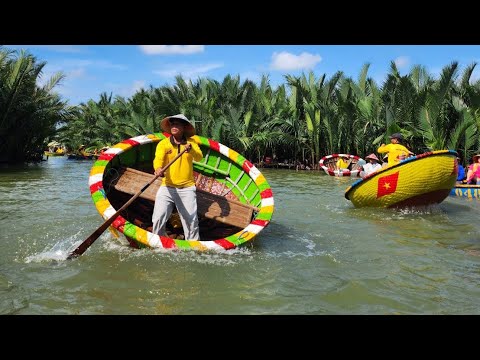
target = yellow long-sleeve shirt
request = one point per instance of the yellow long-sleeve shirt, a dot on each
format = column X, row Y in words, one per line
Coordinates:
column 395, row 151
column 180, row 173
column 342, row 164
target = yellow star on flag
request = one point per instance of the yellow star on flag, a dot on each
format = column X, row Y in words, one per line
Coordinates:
column 387, row 184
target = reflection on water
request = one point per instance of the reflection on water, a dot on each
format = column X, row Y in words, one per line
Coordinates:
column 320, row 255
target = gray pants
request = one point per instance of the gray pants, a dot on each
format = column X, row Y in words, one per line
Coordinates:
column 185, row 200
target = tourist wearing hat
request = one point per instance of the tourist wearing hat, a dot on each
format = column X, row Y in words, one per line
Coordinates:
column 372, row 165
column 178, row 185
column 473, row 174
column 396, row 151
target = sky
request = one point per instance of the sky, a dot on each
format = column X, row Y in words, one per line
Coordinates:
column 124, row 69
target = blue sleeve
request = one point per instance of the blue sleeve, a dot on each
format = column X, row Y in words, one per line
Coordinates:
column 461, row 173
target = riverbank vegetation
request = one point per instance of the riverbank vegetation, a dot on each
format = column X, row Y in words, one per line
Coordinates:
column 306, row 118
column 30, row 114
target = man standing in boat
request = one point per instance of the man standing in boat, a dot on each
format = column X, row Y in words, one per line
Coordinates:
column 178, row 184
column 396, row 151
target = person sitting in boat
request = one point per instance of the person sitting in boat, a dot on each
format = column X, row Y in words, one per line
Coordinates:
column 343, row 162
column 372, row 165
column 461, row 172
column 396, row 151
column 359, row 165
column 473, row 174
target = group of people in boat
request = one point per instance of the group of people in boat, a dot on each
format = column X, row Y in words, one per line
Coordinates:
column 470, row 175
column 395, row 152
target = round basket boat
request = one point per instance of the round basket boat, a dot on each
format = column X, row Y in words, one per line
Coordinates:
column 417, row 181
column 329, row 165
column 235, row 201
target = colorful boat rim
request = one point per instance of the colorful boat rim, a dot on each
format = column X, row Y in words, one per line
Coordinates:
column 145, row 238
column 466, row 191
column 416, row 181
column 326, row 163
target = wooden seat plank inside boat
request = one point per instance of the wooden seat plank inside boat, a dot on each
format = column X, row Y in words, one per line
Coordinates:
column 210, row 206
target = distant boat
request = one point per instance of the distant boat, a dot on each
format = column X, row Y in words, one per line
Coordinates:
column 416, row 181
column 235, row 201
column 329, row 165
column 466, row 191
column 50, row 153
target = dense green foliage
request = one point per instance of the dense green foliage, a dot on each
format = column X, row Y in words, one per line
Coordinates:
column 304, row 119
column 29, row 113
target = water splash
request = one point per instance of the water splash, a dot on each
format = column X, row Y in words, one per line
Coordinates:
column 58, row 251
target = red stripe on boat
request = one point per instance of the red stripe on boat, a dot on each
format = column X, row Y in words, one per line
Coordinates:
column 95, row 187
column 118, row 222
column 130, row 142
column 214, row 145
column 167, row 242
column 424, row 155
column 266, row 193
column 247, row 166
column 224, row 243
column 260, row 222
column 107, row 157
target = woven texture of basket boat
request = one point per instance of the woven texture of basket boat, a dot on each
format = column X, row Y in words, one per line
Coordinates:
column 420, row 180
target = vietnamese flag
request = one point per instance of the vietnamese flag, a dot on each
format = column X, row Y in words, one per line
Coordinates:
column 387, row 184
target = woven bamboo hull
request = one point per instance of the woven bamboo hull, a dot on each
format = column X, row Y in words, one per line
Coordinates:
column 417, row 181
column 329, row 165
column 230, row 190
column 466, row 191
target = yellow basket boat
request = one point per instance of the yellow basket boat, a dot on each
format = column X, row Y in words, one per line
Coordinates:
column 420, row 180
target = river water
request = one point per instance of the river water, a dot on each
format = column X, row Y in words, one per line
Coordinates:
column 320, row 255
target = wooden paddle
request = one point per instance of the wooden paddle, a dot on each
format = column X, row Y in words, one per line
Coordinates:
column 91, row 239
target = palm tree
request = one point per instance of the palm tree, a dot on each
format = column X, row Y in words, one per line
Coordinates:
column 29, row 113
